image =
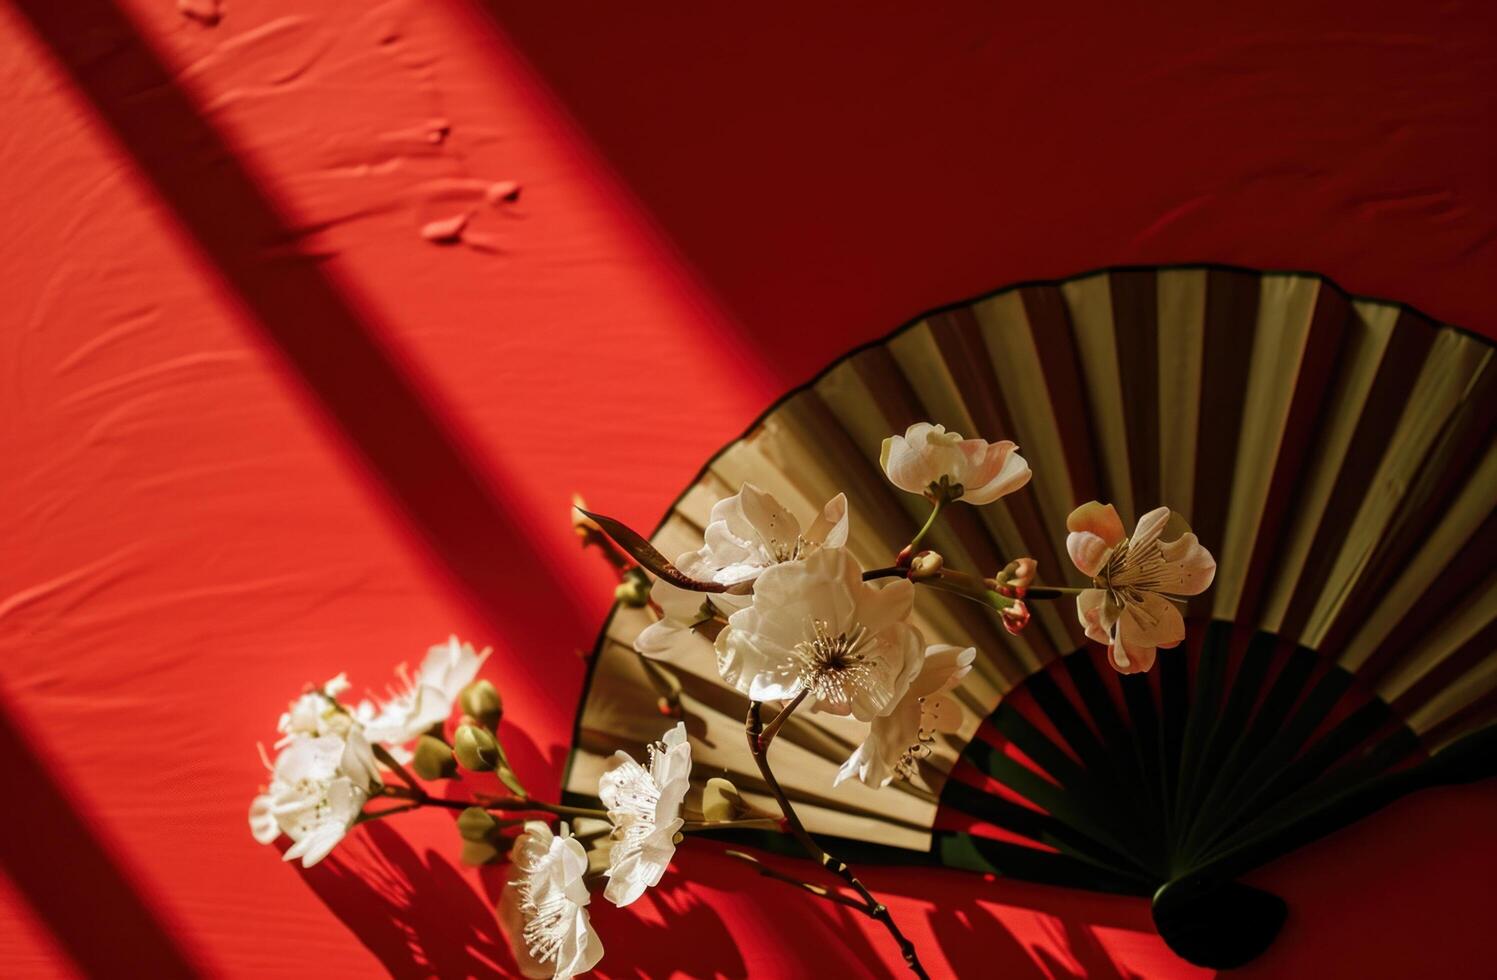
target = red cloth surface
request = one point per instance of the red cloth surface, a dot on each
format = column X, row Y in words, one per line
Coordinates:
column 268, row 414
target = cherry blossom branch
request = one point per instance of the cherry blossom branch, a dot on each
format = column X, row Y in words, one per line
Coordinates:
column 369, row 815
column 778, row 722
column 910, row 549
column 393, row 764
column 751, row 823
column 967, row 586
column 503, row 804
column 870, row 906
column 819, row 891
column 1050, row 591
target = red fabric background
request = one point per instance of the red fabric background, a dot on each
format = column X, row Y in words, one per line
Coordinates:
column 258, row 428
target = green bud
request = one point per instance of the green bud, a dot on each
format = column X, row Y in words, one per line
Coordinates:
column 508, row 778
column 634, row 589
column 475, row 824
column 481, row 701
column 477, row 853
column 721, row 800
column 433, row 759
column 475, row 749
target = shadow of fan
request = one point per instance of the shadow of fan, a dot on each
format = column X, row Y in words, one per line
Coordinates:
column 976, row 940
column 416, row 913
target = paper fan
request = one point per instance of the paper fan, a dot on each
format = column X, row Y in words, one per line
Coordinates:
column 1336, row 454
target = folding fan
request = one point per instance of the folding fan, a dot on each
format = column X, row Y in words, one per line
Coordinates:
column 1337, row 456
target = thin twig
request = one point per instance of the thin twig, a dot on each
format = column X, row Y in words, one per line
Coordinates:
column 872, row 907
column 773, row 728
column 754, row 823
column 383, row 755
column 369, row 815
column 818, row 890
column 420, row 797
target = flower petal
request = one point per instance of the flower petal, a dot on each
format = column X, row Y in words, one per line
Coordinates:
column 1088, row 551
column 1154, row 621
column 1002, row 471
column 1100, row 519
column 1131, row 660
column 880, row 605
column 1149, row 527
column 1095, row 615
column 943, row 668
column 1191, row 565
column 830, row 527
column 262, row 820
column 895, row 656
column 750, row 663
column 888, row 736
column 775, row 526
column 902, row 465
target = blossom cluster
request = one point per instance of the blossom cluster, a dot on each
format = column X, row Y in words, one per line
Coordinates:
column 325, row 770
column 794, row 620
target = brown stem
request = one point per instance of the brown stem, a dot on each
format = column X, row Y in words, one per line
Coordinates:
column 756, row 823
column 383, row 755
column 504, row 804
column 818, row 890
column 500, row 803
column 1050, row 591
column 369, row 815
column 778, row 722
column 870, row 906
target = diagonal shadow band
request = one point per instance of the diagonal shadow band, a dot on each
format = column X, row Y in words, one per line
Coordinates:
column 57, row 860
column 408, row 451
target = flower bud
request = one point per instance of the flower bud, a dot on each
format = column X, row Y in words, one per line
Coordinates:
column 476, row 824
column 633, row 589
column 481, row 701
column 507, row 776
column 1015, row 617
column 475, row 749
column 721, row 800
column 476, row 853
column 927, row 564
column 1016, row 577
column 433, row 759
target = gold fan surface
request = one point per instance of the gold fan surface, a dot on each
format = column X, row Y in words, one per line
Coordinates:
column 1335, row 453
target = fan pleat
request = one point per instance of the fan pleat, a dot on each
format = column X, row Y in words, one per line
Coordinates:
column 1399, row 370
column 1336, row 454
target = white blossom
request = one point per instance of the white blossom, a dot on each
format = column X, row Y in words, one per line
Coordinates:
column 544, row 905
column 319, row 785
column 316, row 712
column 644, row 806
column 746, row 534
column 424, row 699
column 815, row 626
column 1130, row 608
column 931, row 461
column 680, row 610
column 897, row 741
